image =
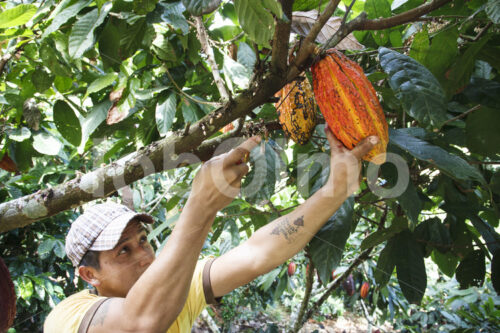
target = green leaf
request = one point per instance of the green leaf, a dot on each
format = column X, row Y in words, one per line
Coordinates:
column 19, row 134
column 51, row 61
column 65, row 15
column 46, row 247
column 376, row 9
column 328, row 244
column 458, row 76
column 273, row 6
column 411, row 203
column 25, row 286
column 81, row 37
column 492, row 9
column 482, row 131
column 142, row 7
column 471, row 270
column 67, row 123
column 46, row 144
column 173, row 15
column 236, row 73
column 17, row 15
column 109, row 46
column 165, row 114
column 490, row 236
column 190, row 111
column 432, row 234
column 41, row 80
column 257, row 22
column 259, row 184
column 447, row 262
column 59, row 249
column 420, row 46
column 246, row 55
column 410, row 267
column 386, row 263
column 100, row 83
column 201, row 7
column 442, row 52
column 414, row 85
column 380, row 236
column 63, row 83
column 305, row 5
column 452, row 165
column 89, row 124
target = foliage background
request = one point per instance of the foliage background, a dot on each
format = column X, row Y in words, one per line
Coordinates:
column 86, row 82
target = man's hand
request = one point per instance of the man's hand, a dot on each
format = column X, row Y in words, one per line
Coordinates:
column 219, row 180
column 345, row 165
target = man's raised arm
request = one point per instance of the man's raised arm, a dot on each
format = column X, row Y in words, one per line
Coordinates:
column 279, row 240
column 158, row 296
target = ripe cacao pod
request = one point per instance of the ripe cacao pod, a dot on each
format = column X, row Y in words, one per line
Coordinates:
column 297, row 110
column 291, row 268
column 364, row 289
column 349, row 103
column 7, row 298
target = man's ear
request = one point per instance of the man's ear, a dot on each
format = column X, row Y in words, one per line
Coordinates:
column 88, row 274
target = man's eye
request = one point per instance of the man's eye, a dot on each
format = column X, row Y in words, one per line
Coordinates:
column 144, row 239
column 123, row 250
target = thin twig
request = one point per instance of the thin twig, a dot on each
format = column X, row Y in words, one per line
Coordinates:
column 203, row 37
column 307, row 293
column 463, row 114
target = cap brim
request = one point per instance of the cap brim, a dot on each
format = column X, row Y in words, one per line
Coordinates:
column 110, row 235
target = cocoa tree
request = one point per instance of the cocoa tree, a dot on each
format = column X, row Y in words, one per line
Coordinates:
column 96, row 96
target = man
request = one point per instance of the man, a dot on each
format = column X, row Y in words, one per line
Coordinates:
column 139, row 293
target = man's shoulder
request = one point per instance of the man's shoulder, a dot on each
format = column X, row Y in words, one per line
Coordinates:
column 67, row 315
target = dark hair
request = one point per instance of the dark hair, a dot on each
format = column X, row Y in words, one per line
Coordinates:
column 91, row 258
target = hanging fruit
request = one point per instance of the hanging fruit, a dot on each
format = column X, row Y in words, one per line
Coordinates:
column 297, row 110
column 291, row 268
column 364, row 289
column 349, row 103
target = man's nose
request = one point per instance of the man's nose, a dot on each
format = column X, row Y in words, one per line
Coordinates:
column 146, row 257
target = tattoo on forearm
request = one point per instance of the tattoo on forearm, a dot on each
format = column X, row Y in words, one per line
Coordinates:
column 287, row 229
column 101, row 314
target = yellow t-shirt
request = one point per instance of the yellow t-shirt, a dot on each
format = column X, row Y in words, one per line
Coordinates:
column 68, row 314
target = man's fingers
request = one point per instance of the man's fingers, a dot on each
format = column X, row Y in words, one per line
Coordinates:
column 364, row 146
column 335, row 145
column 238, row 154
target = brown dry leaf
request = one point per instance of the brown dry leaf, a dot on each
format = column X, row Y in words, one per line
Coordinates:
column 116, row 95
column 8, row 164
column 115, row 115
column 302, row 23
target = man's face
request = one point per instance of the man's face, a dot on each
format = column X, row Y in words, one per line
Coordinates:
column 122, row 266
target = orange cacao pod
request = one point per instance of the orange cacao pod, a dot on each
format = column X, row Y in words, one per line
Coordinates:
column 349, row 103
column 7, row 298
column 364, row 289
column 297, row 110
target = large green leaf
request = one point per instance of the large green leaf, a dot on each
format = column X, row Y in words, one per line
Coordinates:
column 246, row 55
column 414, row 85
column 201, row 7
column 41, row 80
column 447, row 262
column 490, row 236
column 143, row 7
column 452, row 165
column 92, row 121
column 328, row 244
column 380, row 236
column 173, row 15
column 46, row 144
column 67, row 123
column 259, row 184
column 492, row 9
column 17, row 15
column 458, row 76
column 410, row 267
column 432, row 234
column 386, row 263
column 64, row 15
column 165, row 114
column 471, row 270
column 442, row 52
column 482, row 132
column 236, row 75
column 377, row 9
column 255, row 20
column 100, row 83
column 81, row 37
column 495, row 271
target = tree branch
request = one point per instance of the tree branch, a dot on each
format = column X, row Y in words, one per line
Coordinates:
column 205, row 46
column 307, row 294
column 280, row 39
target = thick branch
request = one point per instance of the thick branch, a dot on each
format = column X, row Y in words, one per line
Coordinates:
column 207, row 49
column 280, row 39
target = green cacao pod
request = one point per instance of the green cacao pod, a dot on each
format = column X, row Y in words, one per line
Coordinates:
column 297, row 110
column 349, row 103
